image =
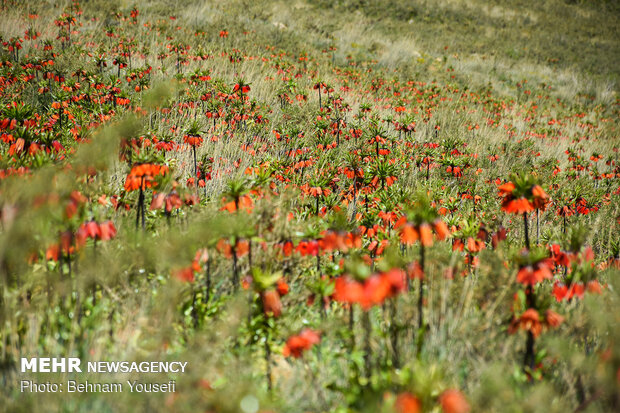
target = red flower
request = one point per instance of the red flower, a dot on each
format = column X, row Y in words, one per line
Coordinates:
column 415, row 271
column 241, row 248
column 534, row 274
column 498, row 236
column 272, row 306
column 373, row 291
column 540, row 197
column 308, row 248
column 506, row 189
column 559, row 256
column 529, row 321
column 553, row 319
column 90, row 229
column 296, row 345
column 282, row 287
column 594, row 287
column 441, row 230
column 143, row 175
column 407, row 403
column 560, row 291
column 426, row 235
column 576, row 290
column 243, row 87
column 243, row 203
column 517, row 206
column 185, row 274
column 193, row 140
column 348, row 290
column 453, row 401
column 107, row 230
column 523, row 197
column 410, row 233
column 52, row 253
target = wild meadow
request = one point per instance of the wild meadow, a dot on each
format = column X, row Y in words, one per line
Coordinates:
column 347, row 206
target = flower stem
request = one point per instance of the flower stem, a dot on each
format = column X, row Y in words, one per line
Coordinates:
column 529, row 359
column 195, row 163
column 526, row 234
column 394, row 333
column 234, row 267
column 367, row 330
column 268, row 358
column 420, row 337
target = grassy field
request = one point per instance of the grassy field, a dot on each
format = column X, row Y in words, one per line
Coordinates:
column 320, row 206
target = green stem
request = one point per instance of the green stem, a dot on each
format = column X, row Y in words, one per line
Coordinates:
column 394, row 333
column 525, row 229
column 420, row 337
column 367, row 330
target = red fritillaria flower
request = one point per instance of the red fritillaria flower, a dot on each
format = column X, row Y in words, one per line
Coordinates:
column 90, row 230
column 563, row 292
column 296, row 345
column 453, row 401
column 193, row 140
column 308, row 248
column 410, row 233
column 560, row 291
column 376, row 290
column 473, row 245
column 517, row 206
column 53, row 252
column 185, row 274
column 396, row 279
column 498, row 236
column 286, row 247
column 75, row 200
column 347, row 290
column 377, row 247
column 529, row 321
column 559, row 256
column 415, row 271
column 272, row 306
column 107, row 230
column 66, row 242
column 553, row 319
column 282, row 287
column 143, row 175
column 426, row 234
column 17, row 147
column 244, row 88
column 522, row 195
column 244, row 203
column 339, row 240
column 171, row 201
column 373, row 291
column 242, row 247
column 407, row 403
column 594, row 287
column 455, row 171
column 539, row 197
column 576, row 290
column 535, row 273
